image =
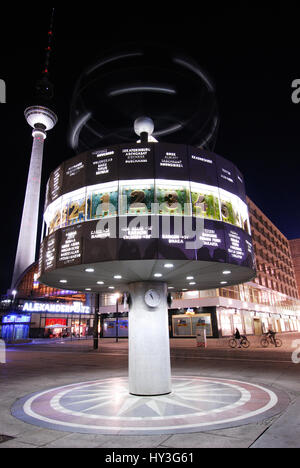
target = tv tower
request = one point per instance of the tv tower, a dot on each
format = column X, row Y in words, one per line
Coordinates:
column 42, row 119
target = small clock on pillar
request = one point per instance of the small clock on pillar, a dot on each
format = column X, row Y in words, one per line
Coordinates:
column 152, row 298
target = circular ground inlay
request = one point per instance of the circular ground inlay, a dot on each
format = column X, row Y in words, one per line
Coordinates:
column 197, row 404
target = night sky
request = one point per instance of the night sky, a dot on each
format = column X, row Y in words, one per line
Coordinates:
column 252, row 54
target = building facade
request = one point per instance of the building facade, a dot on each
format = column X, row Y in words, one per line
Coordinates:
column 295, row 249
column 275, row 267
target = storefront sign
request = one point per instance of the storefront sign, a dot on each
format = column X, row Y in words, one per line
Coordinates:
column 75, row 308
column 12, row 319
column 56, row 323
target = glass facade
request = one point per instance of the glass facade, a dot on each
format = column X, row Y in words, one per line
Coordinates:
column 295, row 250
column 186, row 325
column 110, row 328
column 275, row 266
column 15, row 328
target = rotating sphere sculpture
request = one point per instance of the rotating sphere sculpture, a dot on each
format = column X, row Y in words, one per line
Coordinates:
column 130, row 82
column 144, row 125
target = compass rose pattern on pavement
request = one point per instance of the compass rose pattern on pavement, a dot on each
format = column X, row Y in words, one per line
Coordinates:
column 106, row 407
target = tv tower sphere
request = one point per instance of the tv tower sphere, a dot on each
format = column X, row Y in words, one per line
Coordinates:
column 40, row 117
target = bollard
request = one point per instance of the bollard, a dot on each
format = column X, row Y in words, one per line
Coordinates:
column 201, row 335
column 2, row 352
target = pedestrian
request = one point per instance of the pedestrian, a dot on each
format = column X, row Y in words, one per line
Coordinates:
column 238, row 337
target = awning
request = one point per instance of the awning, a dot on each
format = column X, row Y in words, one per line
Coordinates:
column 59, row 325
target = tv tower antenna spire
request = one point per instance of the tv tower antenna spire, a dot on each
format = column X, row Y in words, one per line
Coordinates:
column 50, row 41
column 44, row 88
column 42, row 119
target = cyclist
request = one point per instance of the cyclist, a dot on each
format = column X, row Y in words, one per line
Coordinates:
column 272, row 335
column 238, row 337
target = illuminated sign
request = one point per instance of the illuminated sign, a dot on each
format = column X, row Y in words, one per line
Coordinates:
column 213, row 243
column 75, row 308
column 71, row 247
column 190, row 312
column 50, row 253
column 235, row 249
column 135, row 161
column 14, row 319
column 74, row 173
column 172, row 162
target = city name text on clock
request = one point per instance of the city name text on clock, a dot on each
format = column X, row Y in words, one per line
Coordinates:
column 296, row 92
column 2, row 92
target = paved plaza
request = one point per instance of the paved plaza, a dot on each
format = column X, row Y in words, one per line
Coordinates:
column 222, row 398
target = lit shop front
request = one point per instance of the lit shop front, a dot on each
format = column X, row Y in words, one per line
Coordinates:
column 255, row 323
column 223, row 311
column 182, row 325
column 223, row 322
column 226, row 309
column 65, row 328
column 185, row 323
column 58, row 320
column 232, row 319
column 15, row 328
column 113, row 327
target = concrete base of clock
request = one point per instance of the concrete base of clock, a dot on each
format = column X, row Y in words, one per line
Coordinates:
column 149, row 341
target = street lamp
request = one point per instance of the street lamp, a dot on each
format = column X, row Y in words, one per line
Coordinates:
column 14, row 295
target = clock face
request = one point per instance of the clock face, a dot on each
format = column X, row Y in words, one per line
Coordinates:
column 152, row 298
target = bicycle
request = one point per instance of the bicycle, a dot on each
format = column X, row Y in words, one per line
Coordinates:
column 267, row 340
column 244, row 342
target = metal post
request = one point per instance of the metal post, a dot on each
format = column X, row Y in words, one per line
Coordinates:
column 144, row 138
column 96, row 321
column 101, row 326
column 40, row 327
column 117, row 322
